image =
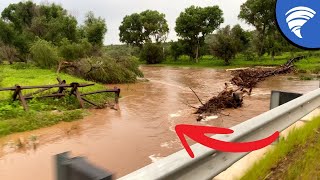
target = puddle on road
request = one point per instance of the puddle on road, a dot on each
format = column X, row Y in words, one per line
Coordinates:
column 142, row 130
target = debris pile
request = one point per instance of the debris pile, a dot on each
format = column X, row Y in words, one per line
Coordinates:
column 249, row 78
column 244, row 80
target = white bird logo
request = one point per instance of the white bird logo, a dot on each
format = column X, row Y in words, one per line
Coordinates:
column 297, row 17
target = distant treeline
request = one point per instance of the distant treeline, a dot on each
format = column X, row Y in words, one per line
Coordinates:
column 200, row 34
column 46, row 34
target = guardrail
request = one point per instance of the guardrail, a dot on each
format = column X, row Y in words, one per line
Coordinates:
column 208, row 162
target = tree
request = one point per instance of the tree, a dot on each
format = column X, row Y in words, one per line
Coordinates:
column 95, row 29
column 20, row 14
column 22, row 22
column 13, row 39
column 55, row 24
column 154, row 25
column 195, row 23
column 222, row 44
column 152, row 53
column 148, row 26
column 260, row 14
column 131, row 30
column 7, row 32
column 241, row 38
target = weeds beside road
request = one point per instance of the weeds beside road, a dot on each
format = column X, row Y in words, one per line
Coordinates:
column 296, row 157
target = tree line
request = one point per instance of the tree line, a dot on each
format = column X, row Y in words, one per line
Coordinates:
column 32, row 31
column 199, row 33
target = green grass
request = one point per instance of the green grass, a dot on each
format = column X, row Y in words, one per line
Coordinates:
column 311, row 64
column 302, row 139
column 43, row 112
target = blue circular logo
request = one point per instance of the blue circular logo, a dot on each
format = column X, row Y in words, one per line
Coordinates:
column 299, row 21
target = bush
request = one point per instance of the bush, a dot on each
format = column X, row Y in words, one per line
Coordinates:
column 44, row 54
column 152, row 53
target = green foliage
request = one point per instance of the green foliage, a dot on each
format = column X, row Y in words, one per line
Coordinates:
column 20, row 14
column 180, row 47
column 95, row 29
column 109, row 70
column 223, row 45
column 241, row 38
column 33, row 120
column 261, row 15
column 44, row 54
column 71, row 51
column 152, row 53
column 54, row 24
column 195, row 23
column 310, row 65
column 7, row 33
column 154, row 25
column 148, row 26
column 131, row 30
column 25, row 22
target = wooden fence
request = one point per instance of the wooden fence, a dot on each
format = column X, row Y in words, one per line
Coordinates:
column 62, row 92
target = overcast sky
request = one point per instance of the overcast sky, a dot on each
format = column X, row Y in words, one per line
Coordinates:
column 113, row 11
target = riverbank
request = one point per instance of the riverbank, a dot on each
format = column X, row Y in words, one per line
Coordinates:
column 308, row 65
column 43, row 112
column 295, row 157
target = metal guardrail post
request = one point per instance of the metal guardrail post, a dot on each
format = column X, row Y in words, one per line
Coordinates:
column 78, row 168
column 279, row 97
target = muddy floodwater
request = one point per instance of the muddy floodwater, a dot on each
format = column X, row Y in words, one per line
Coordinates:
column 142, row 131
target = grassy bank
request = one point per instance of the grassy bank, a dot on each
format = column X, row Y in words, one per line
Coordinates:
column 43, row 112
column 310, row 64
column 293, row 158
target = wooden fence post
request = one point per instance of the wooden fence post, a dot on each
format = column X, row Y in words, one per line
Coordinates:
column 75, row 91
column 117, row 95
column 23, row 101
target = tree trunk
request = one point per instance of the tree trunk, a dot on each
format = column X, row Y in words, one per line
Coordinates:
column 197, row 52
column 272, row 55
column 262, row 41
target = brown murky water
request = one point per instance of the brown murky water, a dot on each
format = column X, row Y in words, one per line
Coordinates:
column 142, row 130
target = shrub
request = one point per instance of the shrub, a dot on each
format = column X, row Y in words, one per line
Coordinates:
column 152, row 53
column 44, row 54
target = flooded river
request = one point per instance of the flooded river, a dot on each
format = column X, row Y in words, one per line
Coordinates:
column 142, row 131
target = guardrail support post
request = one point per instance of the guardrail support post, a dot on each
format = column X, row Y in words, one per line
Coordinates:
column 278, row 98
column 78, row 168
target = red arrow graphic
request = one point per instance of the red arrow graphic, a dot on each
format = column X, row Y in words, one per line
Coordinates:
column 197, row 133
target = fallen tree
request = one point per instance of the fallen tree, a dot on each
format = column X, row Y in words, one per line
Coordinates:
column 244, row 81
